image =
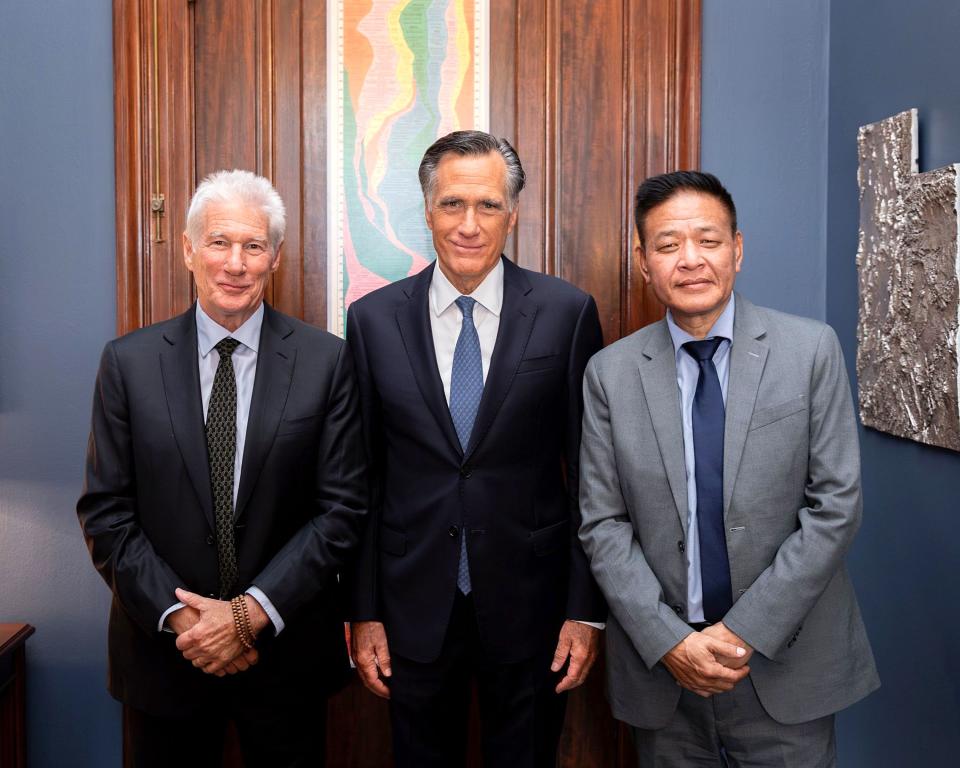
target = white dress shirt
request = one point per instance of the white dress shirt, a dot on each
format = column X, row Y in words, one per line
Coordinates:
column 688, row 373
column 209, row 334
column 446, row 319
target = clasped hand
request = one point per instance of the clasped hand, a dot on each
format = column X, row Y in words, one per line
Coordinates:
column 207, row 635
column 709, row 662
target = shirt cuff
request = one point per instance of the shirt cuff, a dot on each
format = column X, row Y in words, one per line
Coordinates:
column 594, row 624
column 257, row 594
column 163, row 616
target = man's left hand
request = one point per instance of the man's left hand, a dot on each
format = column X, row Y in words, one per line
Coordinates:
column 212, row 644
column 720, row 631
column 579, row 643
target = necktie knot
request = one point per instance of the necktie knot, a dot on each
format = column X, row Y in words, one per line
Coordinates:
column 704, row 350
column 466, row 306
column 226, row 346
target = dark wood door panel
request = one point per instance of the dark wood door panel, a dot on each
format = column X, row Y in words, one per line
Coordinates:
column 227, row 85
column 590, row 177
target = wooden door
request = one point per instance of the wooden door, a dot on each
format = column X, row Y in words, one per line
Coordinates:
column 594, row 95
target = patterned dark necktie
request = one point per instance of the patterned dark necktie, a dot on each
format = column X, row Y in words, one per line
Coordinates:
column 708, row 418
column 466, row 388
column 222, row 452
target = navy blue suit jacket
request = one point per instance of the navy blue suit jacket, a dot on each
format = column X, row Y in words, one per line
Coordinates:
column 515, row 488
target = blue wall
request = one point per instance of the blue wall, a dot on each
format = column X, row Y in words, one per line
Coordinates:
column 887, row 56
column 785, row 87
column 764, row 134
column 57, row 308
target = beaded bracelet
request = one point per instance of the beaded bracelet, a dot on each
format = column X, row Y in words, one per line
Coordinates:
column 241, row 620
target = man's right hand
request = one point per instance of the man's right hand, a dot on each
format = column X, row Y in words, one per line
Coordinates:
column 693, row 662
column 371, row 655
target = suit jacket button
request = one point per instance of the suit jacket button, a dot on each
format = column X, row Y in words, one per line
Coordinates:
column 681, row 546
column 678, row 609
column 453, row 531
column 210, row 539
column 466, row 470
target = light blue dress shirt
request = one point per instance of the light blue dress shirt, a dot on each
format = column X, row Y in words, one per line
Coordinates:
column 209, row 334
column 688, row 372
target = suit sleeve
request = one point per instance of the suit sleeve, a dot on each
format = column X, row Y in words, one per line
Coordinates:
column 584, row 599
column 361, row 578
column 630, row 585
column 323, row 545
column 140, row 579
column 774, row 606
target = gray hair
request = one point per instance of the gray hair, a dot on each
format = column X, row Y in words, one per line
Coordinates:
column 243, row 187
column 464, row 143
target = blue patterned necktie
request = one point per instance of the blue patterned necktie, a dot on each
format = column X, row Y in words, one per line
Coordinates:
column 708, row 419
column 466, row 388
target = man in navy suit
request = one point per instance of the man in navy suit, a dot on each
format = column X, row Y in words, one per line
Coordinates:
column 470, row 568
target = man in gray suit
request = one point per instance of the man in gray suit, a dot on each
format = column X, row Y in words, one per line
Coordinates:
column 720, row 491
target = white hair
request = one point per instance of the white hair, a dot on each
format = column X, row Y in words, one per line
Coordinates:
column 237, row 186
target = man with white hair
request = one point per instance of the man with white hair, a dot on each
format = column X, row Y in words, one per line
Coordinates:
column 224, row 489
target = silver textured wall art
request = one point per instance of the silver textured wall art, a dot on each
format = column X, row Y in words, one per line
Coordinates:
column 909, row 288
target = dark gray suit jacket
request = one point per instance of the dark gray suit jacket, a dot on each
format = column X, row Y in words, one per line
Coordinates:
column 791, row 508
column 147, row 507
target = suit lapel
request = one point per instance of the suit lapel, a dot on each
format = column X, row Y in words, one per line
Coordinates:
column 658, row 374
column 413, row 320
column 748, row 355
column 517, row 316
column 275, row 363
column 180, row 372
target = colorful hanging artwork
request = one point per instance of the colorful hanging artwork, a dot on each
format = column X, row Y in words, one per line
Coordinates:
column 400, row 73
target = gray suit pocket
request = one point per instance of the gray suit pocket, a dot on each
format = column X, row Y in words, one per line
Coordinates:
column 551, row 538
column 777, row 412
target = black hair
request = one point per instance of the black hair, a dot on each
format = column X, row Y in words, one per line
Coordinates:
column 658, row 189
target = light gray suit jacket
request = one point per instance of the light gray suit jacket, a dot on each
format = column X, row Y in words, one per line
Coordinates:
column 791, row 492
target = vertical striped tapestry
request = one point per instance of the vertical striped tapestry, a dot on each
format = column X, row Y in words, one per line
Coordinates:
column 401, row 73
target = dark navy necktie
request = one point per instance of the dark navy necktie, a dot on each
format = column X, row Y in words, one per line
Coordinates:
column 708, row 418
column 466, row 388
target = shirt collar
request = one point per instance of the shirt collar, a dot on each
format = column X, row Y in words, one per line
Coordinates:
column 489, row 294
column 210, row 333
column 722, row 327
